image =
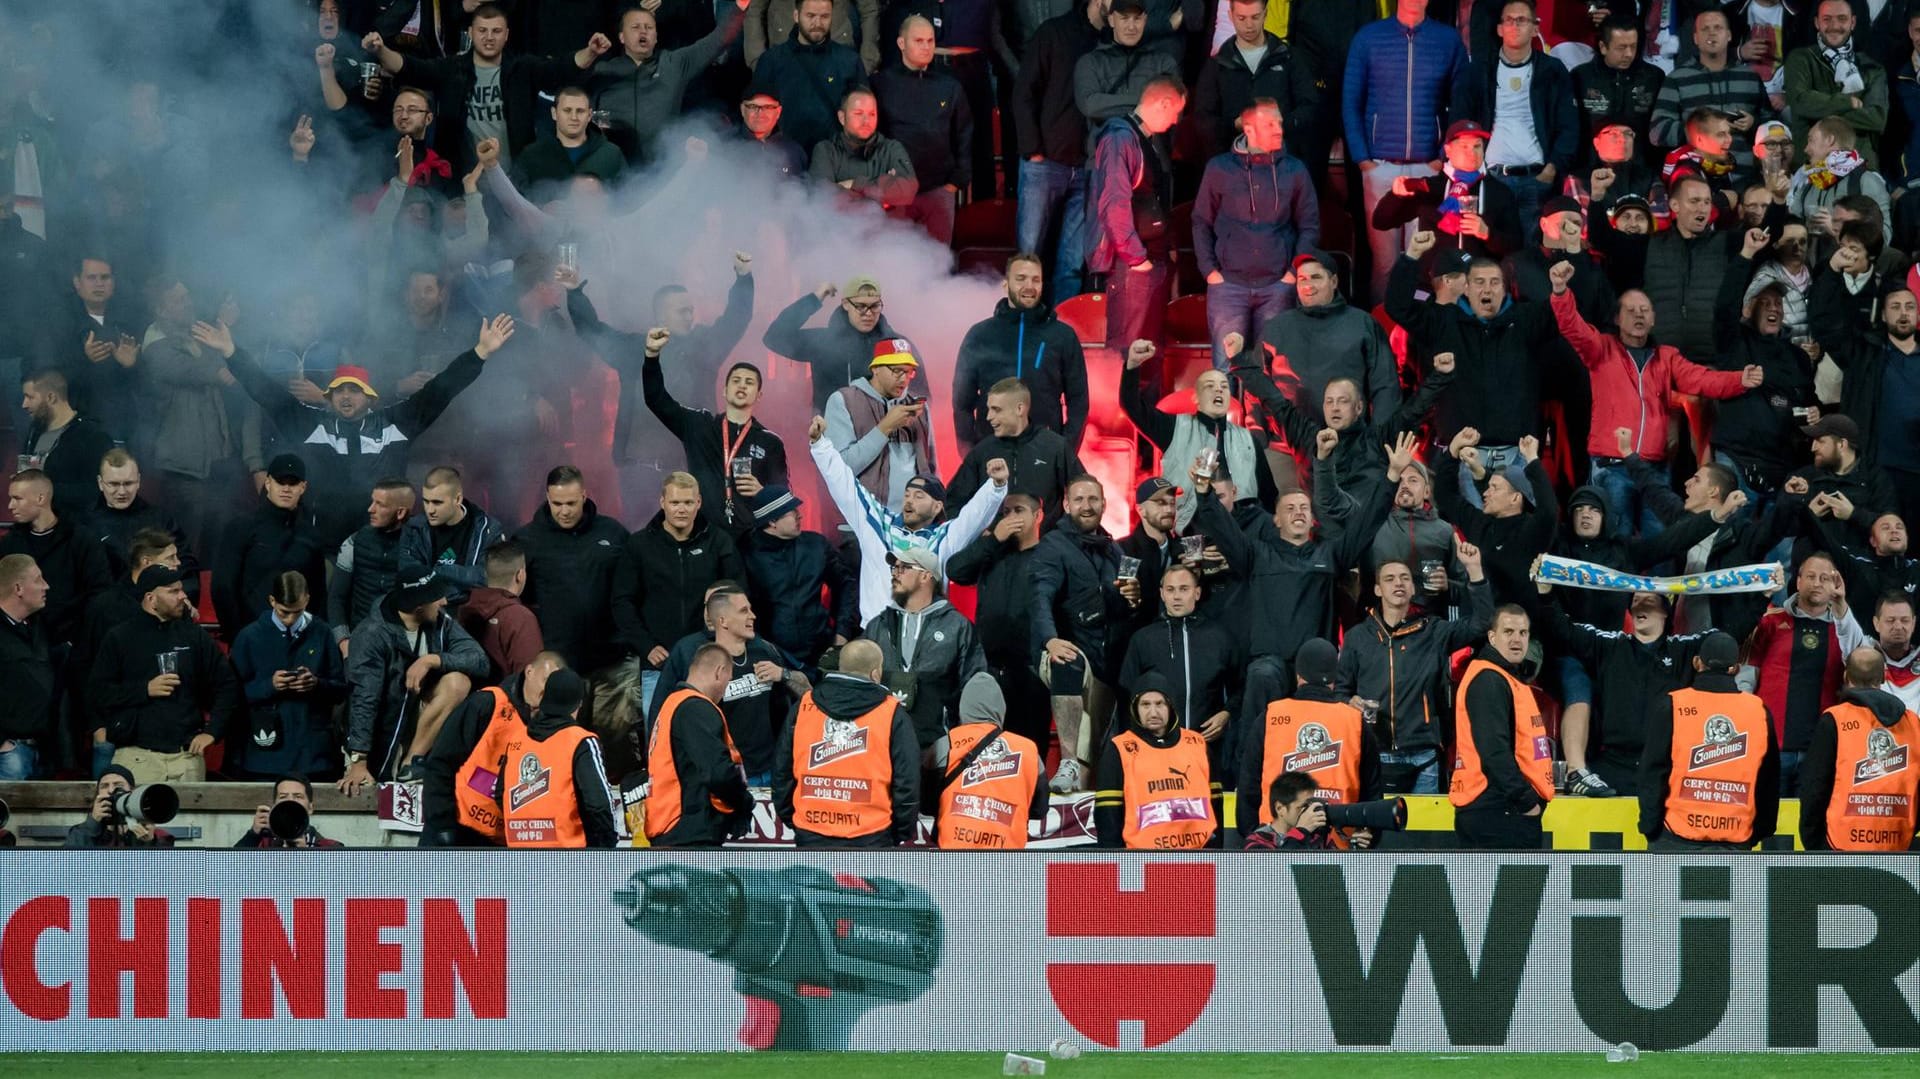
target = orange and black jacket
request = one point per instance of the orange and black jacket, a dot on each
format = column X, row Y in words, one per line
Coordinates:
column 1405, row 668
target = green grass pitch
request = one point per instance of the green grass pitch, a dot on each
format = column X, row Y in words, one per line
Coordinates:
column 1099, row 1065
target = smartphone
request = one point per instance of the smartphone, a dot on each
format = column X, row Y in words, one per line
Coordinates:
column 742, row 467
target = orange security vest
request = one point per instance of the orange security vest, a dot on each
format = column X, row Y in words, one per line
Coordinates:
column 1168, row 793
column 476, row 786
column 843, row 771
column 542, row 809
column 1320, row 738
column 986, row 807
column 1719, row 742
column 1876, row 781
column 1532, row 749
column 663, row 793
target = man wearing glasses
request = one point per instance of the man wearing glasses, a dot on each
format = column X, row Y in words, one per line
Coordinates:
column 759, row 117
column 842, row 351
column 1526, row 98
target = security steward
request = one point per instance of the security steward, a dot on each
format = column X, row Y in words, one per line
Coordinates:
column 1710, row 775
column 847, row 773
column 1153, row 790
column 1860, row 779
column 460, row 781
column 554, row 791
column 697, row 796
column 1502, row 757
column 986, row 780
column 1315, row 732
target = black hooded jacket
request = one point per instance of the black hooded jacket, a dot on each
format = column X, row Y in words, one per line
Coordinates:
column 256, row 549
column 1816, row 768
column 660, row 583
column 590, row 788
column 1489, row 708
column 1631, row 677
column 1656, row 766
column 1109, row 803
column 847, row 697
column 570, row 584
column 1604, row 610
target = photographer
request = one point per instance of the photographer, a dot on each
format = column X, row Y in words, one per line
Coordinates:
column 271, row 824
column 1314, row 731
column 1299, row 819
column 105, row 826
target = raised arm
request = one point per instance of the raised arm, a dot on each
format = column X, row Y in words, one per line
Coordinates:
column 1156, row 425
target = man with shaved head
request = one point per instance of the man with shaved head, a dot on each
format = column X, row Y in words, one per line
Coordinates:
column 847, row 770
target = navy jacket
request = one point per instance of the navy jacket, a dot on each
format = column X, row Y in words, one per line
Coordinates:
column 1556, row 123
column 1253, row 213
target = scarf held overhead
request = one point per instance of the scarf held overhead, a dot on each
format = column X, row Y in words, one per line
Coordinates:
column 1573, row 573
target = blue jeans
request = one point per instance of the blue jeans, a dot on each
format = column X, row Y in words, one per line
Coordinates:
column 1625, row 507
column 1528, row 194
column 1427, row 779
column 19, row 764
column 1790, row 773
column 1496, row 460
column 1242, row 309
column 1050, row 190
column 648, row 681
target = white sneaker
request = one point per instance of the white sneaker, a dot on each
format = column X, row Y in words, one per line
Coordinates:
column 1070, row 777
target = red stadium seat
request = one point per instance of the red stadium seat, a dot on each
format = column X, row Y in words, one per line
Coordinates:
column 1187, row 321
column 1087, row 314
column 982, row 261
column 985, row 223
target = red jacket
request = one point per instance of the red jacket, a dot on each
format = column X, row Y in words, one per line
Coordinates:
column 1624, row 395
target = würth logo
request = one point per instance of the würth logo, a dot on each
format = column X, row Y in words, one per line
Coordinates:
column 1085, row 901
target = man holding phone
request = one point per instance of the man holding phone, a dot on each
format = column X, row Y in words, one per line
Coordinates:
column 881, row 427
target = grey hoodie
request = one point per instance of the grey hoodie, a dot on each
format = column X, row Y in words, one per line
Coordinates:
column 930, row 654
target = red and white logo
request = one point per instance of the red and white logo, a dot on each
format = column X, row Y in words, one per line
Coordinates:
column 1084, row 901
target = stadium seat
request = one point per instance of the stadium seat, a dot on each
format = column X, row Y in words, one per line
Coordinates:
column 982, row 261
column 1087, row 314
column 1187, row 321
column 985, row 223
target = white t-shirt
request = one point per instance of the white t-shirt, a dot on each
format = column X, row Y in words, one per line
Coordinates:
column 1222, row 25
column 1254, row 55
column 1770, row 19
column 1514, row 141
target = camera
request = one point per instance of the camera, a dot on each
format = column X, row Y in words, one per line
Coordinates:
column 154, row 803
column 288, row 821
column 1386, row 815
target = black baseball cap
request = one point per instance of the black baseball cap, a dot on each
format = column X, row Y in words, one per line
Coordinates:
column 1561, row 204
column 1151, row 486
column 931, row 485
column 566, row 691
column 1836, row 425
column 1719, row 652
column 157, row 577
column 287, row 468
column 1451, row 262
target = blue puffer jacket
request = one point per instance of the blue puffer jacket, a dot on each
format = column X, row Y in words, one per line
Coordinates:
column 1399, row 83
column 1254, row 211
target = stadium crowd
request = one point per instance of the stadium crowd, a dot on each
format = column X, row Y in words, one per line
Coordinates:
column 1620, row 286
